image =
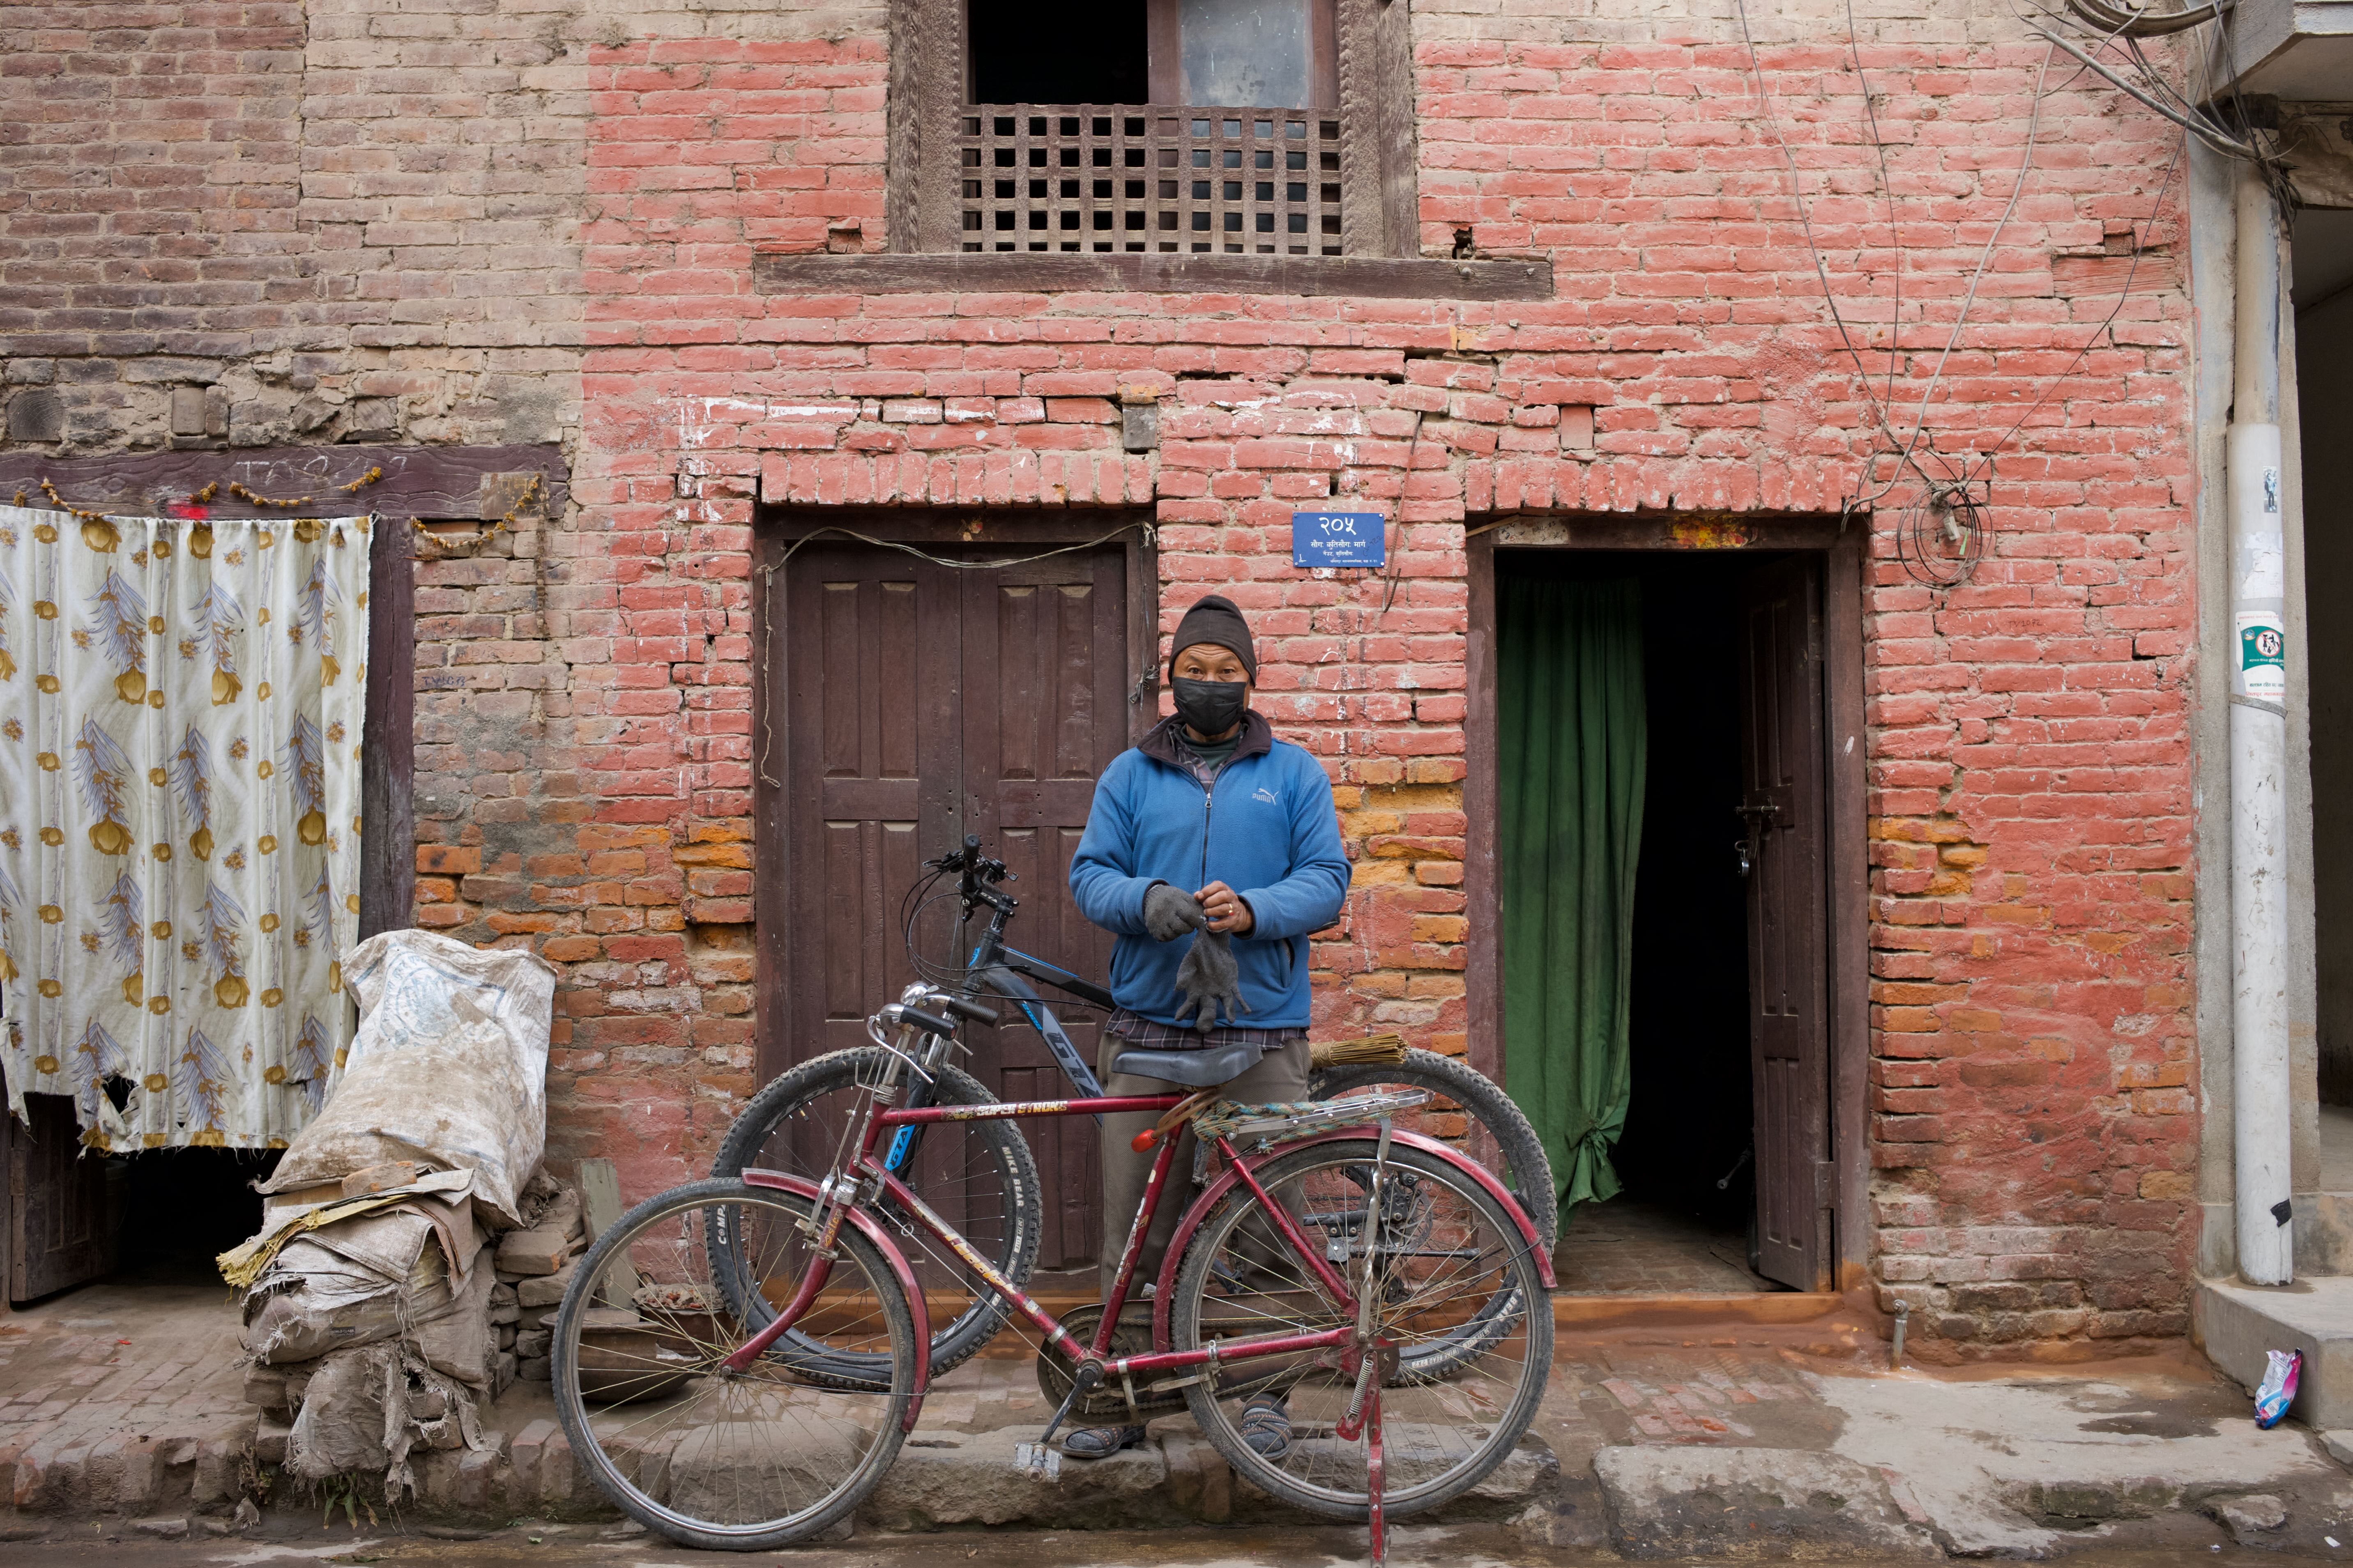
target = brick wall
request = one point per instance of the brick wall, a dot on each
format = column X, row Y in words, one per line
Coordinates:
column 585, row 686
column 2029, row 769
column 316, row 222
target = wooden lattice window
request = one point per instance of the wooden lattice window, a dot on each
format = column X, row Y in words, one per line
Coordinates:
column 1251, row 127
column 1103, row 177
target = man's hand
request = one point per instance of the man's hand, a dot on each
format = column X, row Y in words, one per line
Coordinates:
column 1208, row 978
column 1226, row 909
column 1169, row 912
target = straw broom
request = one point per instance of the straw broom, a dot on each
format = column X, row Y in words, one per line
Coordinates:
column 1384, row 1049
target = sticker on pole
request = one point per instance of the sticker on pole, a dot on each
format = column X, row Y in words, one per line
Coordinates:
column 1339, row 539
column 2263, row 658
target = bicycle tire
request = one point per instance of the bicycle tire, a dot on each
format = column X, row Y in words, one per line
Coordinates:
column 1521, row 1153
column 1507, row 1272
column 1526, row 1171
column 782, row 1405
column 1007, row 1236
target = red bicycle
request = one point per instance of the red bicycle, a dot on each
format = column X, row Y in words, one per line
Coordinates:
column 1325, row 1252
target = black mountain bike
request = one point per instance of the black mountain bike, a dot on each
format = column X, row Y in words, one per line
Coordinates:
column 981, row 1175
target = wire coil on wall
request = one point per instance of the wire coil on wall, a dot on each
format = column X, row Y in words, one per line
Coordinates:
column 1940, row 534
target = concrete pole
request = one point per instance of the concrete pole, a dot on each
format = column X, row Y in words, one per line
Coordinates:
column 2259, row 1043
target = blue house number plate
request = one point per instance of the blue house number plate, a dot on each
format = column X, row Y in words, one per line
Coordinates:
column 1339, row 539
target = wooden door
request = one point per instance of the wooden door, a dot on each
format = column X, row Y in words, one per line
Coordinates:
column 1783, row 800
column 60, row 1227
column 926, row 702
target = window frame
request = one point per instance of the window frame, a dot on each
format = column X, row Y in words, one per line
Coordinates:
column 1379, row 203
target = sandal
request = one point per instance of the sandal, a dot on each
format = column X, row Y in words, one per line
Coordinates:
column 1266, row 1427
column 1102, row 1442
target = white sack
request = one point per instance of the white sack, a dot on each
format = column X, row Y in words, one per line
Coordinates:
column 450, row 1068
column 348, row 1284
column 369, row 1407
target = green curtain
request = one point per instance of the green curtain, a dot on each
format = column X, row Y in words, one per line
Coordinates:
column 1573, row 740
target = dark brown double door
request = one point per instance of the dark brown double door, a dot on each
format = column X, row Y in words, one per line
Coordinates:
column 921, row 703
column 1784, row 803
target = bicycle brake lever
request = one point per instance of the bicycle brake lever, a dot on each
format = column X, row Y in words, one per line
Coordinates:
column 874, row 1034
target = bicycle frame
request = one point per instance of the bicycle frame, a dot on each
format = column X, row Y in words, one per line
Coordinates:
column 865, row 1168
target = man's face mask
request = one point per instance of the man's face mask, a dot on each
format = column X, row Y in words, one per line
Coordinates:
column 1210, row 707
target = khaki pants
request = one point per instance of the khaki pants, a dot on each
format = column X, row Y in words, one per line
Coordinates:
column 1280, row 1074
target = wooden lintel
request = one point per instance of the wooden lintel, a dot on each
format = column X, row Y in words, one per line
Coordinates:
column 1154, row 273
column 1676, row 531
column 415, row 481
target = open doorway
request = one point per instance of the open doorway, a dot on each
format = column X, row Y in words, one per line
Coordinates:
column 157, row 1217
column 2322, row 259
column 1662, row 851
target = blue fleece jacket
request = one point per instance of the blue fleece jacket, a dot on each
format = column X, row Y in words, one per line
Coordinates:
column 1266, row 828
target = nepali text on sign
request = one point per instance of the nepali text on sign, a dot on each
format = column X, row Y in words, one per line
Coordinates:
column 1339, row 539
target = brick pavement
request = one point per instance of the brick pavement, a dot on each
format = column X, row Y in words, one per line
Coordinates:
column 122, row 1399
column 1626, row 1246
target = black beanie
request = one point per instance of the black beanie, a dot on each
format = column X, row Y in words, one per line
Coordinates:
column 1213, row 619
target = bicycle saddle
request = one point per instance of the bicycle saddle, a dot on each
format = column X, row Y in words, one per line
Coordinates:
column 1194, row 1070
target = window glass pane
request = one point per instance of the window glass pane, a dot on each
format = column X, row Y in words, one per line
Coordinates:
column 1057, row 51
column 1249, row 53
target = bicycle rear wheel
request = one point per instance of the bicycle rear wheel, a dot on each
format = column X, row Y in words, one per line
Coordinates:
column 710, row 1458
column 1469, row 1110
column 1447, row 1253
column 980, row 1175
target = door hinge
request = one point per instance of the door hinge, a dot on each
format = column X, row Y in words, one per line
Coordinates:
column 1825, row 1185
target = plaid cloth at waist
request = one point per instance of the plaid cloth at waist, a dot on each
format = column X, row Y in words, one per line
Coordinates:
column 1147, row 1034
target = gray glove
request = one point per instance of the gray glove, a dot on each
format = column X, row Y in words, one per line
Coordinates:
column 1207, row 979
column 1169, row 912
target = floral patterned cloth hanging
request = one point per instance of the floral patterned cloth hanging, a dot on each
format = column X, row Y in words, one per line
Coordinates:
column 180, row 711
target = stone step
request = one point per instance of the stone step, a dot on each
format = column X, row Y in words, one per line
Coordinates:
column 2323, row 1233
column 942, row 1478
column 2236, row 1324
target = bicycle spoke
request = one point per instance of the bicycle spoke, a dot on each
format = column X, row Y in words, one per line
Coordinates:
column 1449, row 1273
column 707, row 1455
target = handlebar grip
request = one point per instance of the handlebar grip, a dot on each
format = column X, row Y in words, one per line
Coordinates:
column 930, row 1023
column 971, row 1011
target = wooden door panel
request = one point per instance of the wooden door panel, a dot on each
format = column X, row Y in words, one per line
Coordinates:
column 60, row 1230
column 925, row 703
column 870, row 772
column 1045, row 712
column 1783, row 793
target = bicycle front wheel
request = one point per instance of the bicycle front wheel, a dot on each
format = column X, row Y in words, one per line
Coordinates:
column 724, row 1461
column 1447, row 1253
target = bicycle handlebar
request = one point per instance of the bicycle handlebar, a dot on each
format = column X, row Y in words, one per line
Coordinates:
column 973, row 1012
column 980, row 873
column 930, row 1023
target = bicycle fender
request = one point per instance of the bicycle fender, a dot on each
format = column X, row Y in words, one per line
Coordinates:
column 1164, row 1291
column 872, row 1229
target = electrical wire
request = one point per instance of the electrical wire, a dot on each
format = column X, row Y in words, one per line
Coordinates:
column 2122, row 294
column 1887, row 189
column 1806, row 222
column 1985, row 259
column 1940, row 536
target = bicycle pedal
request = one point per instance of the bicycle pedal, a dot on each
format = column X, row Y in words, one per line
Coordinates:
column 1038, row 1460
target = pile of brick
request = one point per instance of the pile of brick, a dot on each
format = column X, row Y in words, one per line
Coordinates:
column 533, row 1267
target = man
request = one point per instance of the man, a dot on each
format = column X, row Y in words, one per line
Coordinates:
column 1212, row 849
